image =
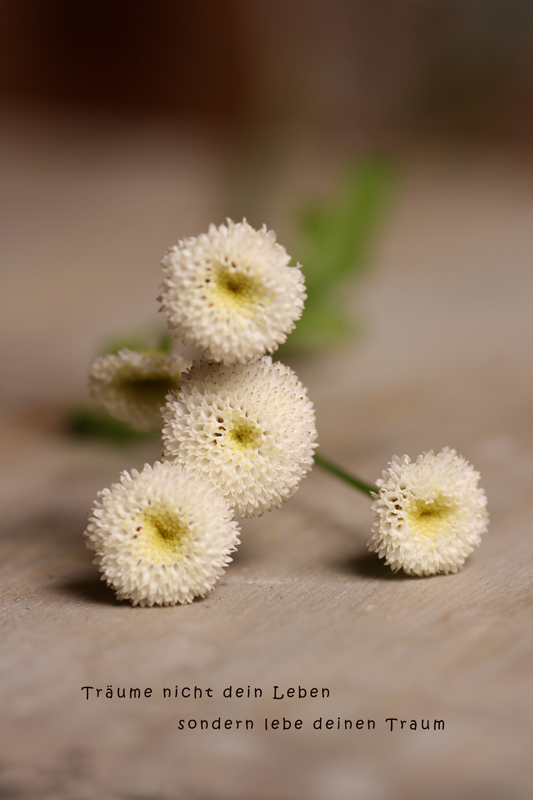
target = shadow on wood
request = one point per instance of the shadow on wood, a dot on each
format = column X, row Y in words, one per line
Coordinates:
column 368, row 565
column 90, row 589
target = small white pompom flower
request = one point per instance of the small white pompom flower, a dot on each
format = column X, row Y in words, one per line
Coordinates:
column 250, row 429
column 429, row 515
column 132, row 386
column 232, row 292
column 162, row 536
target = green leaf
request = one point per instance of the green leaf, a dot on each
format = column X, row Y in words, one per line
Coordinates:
column 165, row 342
column 127, row 341
column 140, row 341
column 93, row 423
column 334, row 241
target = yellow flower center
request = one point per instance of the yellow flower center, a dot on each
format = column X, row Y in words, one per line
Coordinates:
column 431, row 519
column 236, row 289
column 162, row 535
column 245, row 434
column 241, row 433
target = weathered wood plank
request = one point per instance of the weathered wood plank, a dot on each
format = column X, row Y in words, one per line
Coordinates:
column 446, row 360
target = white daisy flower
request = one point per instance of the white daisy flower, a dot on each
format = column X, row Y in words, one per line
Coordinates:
column 250, row 429
column 162, row 536
column 429, row 515
column 232, row 292
column 132, row 386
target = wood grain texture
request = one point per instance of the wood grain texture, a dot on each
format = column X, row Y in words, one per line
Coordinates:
column 445, row 360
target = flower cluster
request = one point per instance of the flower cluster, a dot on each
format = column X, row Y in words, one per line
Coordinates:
column 429, row 515
column 250, row 429
column 238, row 430
column 239, row 434
column 132, row 386
column 162, row 536
column 232, row 292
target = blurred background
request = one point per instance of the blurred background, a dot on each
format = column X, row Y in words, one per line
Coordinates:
column 360, row 69
column 389, row 144
column 125, row 125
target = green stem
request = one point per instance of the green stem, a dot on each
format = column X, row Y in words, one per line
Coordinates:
column 367, row 488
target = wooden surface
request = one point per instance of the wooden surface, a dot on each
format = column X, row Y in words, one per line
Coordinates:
column 444, row 359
